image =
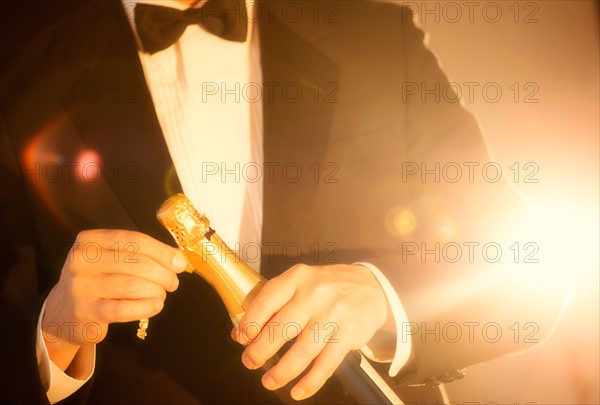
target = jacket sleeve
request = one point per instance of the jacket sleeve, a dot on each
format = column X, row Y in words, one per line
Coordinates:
column 468, row 295
column 21, row 290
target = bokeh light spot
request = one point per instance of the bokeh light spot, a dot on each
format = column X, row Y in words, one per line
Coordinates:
column 400, row 221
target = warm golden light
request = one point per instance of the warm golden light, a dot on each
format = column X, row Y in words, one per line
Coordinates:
column 401, row 221
column 566, row 243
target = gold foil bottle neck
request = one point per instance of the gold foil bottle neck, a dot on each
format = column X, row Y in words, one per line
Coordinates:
column 209, row 255
column 183, row 221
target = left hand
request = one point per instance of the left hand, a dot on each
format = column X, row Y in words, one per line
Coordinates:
column 330, row 309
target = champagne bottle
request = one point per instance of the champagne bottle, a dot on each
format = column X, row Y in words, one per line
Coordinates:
column 236, row 283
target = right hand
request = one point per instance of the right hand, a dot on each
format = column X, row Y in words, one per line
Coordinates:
column 109, row 276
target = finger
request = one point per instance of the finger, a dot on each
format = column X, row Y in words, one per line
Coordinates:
column 294, row 361
column 324, row 366
column 142, row 267
column 270, row 299
column 284, row 326
column 136, row 244
column 118, row 286
column 147, row 269
column 110, row 311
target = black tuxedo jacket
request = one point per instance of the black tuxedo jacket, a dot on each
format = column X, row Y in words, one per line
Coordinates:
column 72, row 82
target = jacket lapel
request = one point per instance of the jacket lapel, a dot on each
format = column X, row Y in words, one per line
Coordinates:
column 115, row 117
column 297, row 119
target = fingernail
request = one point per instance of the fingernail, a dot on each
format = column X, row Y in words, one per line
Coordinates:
column 234, row 333
column 268, row 382
column 249, row 364
column 179, row 262
column 175, row 284
column 158, row 305
column 297, row 393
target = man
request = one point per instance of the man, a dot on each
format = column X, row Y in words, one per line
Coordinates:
column 335, row 135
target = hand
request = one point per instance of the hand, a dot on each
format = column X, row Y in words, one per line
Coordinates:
column 109, row 276
column 330, row 309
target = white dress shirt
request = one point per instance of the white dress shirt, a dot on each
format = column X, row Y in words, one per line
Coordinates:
column 212, row 132
column 208, row 124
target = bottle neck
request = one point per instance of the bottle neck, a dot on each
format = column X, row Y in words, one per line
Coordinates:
column 235, row 282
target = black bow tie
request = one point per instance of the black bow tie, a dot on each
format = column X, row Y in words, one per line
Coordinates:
column 160, row 27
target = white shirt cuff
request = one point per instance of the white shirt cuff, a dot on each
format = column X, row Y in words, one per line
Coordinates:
column 57, row 383
column 398, row 357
